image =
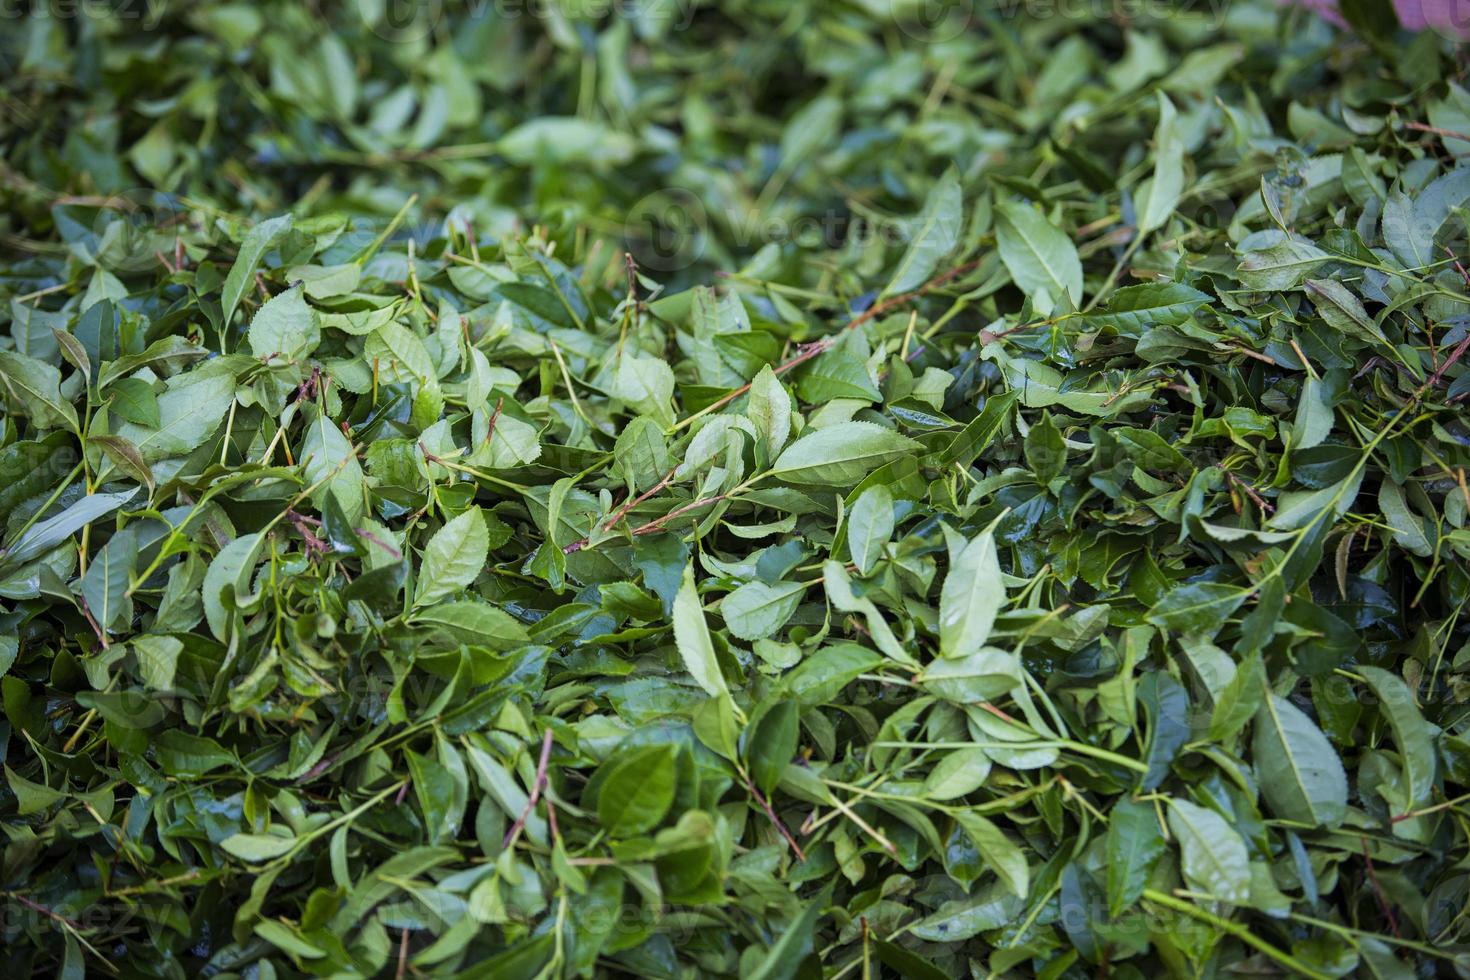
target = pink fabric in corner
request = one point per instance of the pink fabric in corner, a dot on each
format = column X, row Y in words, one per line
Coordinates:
column 1449, row 16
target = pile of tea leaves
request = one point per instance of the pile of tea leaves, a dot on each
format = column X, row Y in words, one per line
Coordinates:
column 733, row 489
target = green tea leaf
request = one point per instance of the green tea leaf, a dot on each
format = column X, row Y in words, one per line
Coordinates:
column 769, row 408
column 1412, row 734
column 840, row 454
column 1039, row 256
column 190, row 410
column 257, row 241
column 935, row 235
column 1201, row 607
column 757, row 610
column 284, row 327
column 1135, row 842
column 1159, row 196
column 1003, row 856
column 453, row 558
column 869, row 526
column 691, row 636
column 257, row 848
column 332, row 466
column 47, row 534
column 34, row 389
column 973, row 594
column 772, row 745
column 1215, row 861
column 1281, row 266
column 637, row 790
column 1301, row 775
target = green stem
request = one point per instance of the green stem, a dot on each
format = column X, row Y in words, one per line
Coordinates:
column 347, row 817
column 366, row 254
column 55, row 495
column 1235, row 929
column 1353, row 934
column 1081, row 748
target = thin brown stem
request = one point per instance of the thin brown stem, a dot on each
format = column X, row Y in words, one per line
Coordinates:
column 632, row 502
column 811, row 350
column 536, row 788
column 658, row 522
column 622, row 510
column 101, row 633
column 1449, row 362
column 1437, row 131
column 1250, row 492
column 775, row 820
column 402, row 954
column 1383, row 902
column 38, row 907
column 494, row 418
